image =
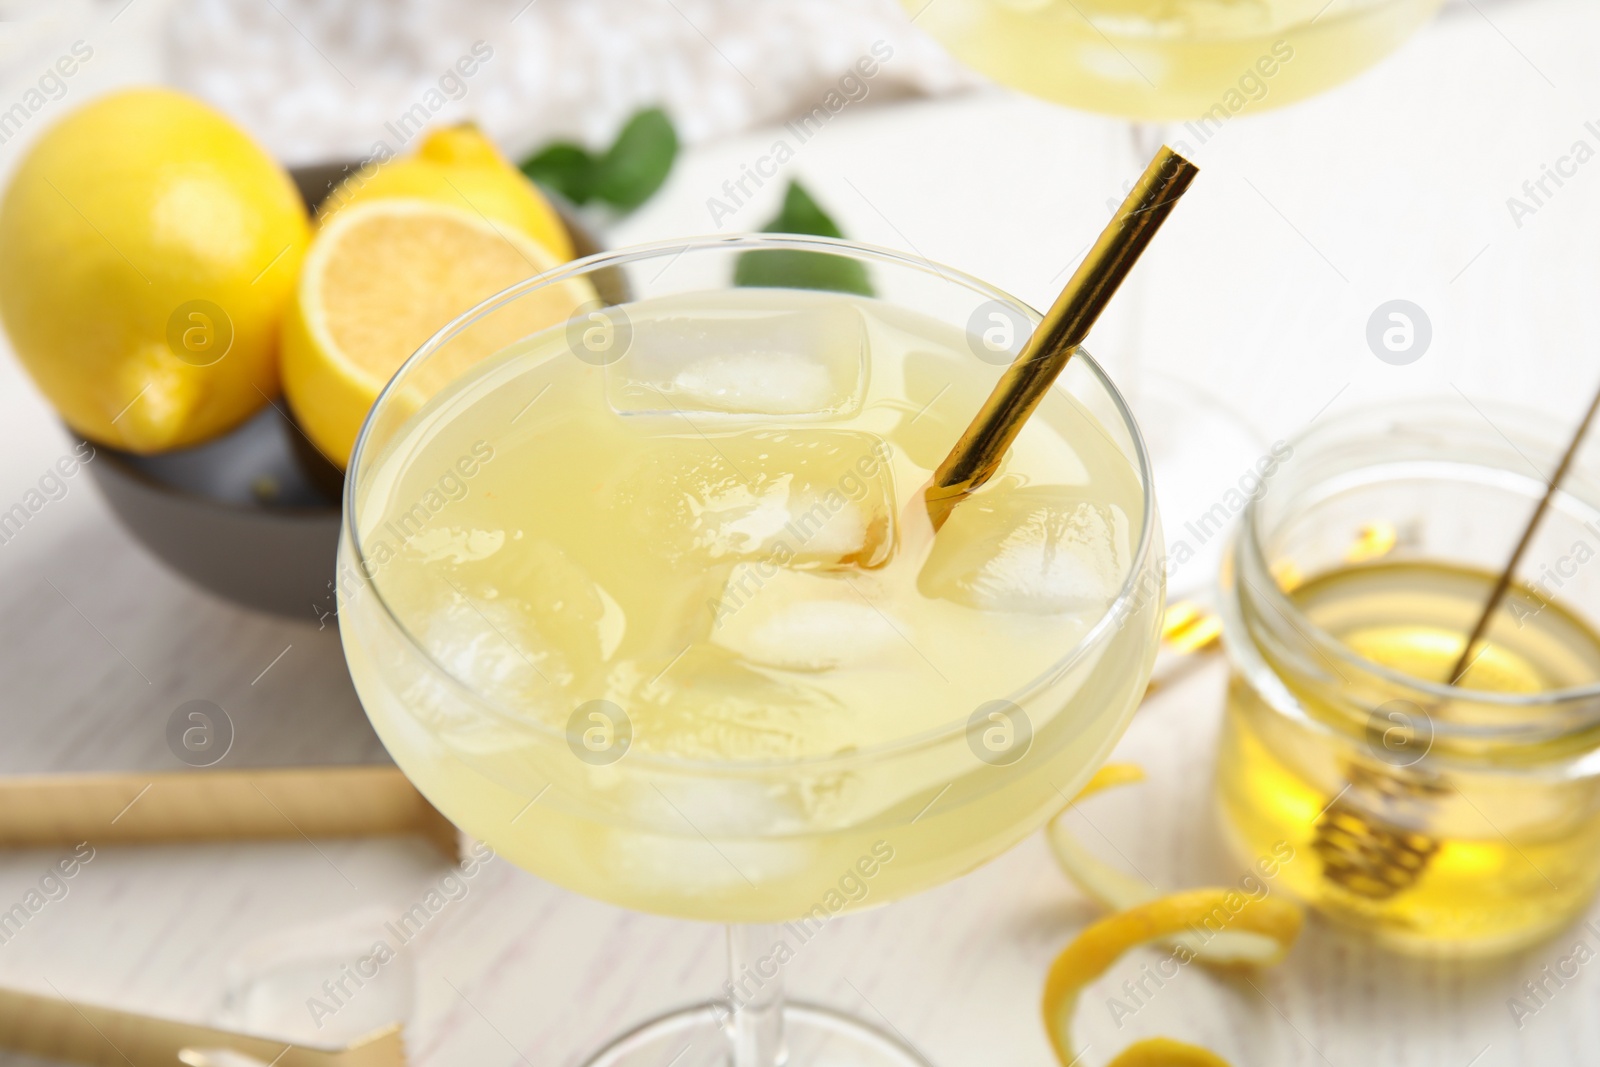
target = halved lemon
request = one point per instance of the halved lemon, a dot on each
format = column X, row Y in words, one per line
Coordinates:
column 379, row 280
column 458, row 166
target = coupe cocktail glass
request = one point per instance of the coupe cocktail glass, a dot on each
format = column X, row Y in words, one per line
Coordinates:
column 648, row 601
column 1158, row 60
column 1179, row 71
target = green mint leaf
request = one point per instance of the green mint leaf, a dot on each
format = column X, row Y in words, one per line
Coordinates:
column 802, row 214
column 624, row 176
column 566, row 168
column 638, row 162
column 796, row 268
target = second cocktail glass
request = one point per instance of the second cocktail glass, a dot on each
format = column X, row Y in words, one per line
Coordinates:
column 1161, row 60
column 1159, row 63
column 648, row 601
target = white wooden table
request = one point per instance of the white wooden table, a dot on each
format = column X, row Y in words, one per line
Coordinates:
column 1304, row 221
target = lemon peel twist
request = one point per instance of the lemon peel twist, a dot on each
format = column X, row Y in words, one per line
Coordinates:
column 1240, row 930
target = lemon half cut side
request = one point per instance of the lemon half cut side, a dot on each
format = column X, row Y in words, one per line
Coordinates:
column 383, row 277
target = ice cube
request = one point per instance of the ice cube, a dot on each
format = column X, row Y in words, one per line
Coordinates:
column 687, row 840
column 456, row 544
column 267, row 982
column 492, row 648
column 507, row 614
column 734, row 359
column 708, row 704
column 1039, row 550
column 801, row 621
column 794, row 498
column 684, row 870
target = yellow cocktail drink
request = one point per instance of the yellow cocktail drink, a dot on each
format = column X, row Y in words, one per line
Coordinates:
column 653, row 606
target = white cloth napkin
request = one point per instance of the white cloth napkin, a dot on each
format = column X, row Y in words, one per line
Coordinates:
column 319, row 81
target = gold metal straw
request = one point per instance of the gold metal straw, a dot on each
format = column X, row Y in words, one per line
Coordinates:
column 979, row 451
column 1506, row 575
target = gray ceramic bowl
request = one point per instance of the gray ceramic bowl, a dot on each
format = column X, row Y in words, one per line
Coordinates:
column 252, row 516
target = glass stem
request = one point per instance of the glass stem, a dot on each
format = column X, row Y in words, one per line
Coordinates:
column 755, row 997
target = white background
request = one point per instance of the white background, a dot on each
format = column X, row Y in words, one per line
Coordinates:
column 1303, row 221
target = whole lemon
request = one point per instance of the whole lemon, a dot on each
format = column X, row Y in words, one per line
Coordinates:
column 459, row 166
column 148, row 251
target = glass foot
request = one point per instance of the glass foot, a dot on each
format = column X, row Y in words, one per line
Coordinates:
column 814, row 1036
